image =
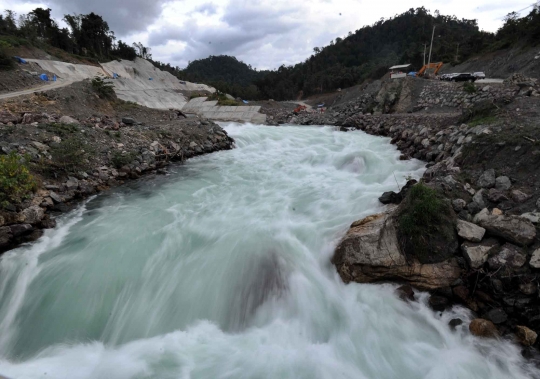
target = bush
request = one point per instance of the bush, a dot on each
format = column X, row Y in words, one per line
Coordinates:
column 119, row 160
column 6, row 62
column 16, row 182
column 71, row 154
column 103, row 88
column 478, row 111
column 426, row 225
column 469, row 87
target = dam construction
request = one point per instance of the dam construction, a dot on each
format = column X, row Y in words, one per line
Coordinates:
column 140, row 82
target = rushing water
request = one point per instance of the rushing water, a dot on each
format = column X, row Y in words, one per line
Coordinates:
column 222, row 270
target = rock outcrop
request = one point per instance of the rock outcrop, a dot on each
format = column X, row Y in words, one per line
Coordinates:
column 370, row 252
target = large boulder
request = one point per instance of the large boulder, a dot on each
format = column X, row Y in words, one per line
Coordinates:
column 470, row 231
column 370, row 252
column 525, row 336
column 33, row 215
column 503, row 183
column 487, row 179
column 476, row 254
column 514, row 229
column 483, row 328
column 68, row 120
column 509, row 255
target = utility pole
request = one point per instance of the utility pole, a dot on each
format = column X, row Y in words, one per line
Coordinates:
column 431, row 46
column 425, row 47
column 457, row 53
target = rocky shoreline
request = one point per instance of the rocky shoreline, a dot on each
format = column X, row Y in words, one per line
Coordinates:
column 72, row 158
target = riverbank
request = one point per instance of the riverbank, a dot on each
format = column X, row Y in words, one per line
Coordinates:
column 76, row 143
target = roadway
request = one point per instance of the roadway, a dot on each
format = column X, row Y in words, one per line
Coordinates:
column 46, row 87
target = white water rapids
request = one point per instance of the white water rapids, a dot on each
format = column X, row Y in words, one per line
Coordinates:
column 222, row 270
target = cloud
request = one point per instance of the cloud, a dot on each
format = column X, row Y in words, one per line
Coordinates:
column 206, row 9
column 123, row 16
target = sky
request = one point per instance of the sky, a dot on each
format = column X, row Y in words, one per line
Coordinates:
column 263, row 33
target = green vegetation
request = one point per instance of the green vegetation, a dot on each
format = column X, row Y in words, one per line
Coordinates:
column 483, row 120
column 119, row 160
column 104, row 89
column 222, row 99
column 469, row 87
column 72, row 154
column 482, row 111
column 61, row 129
column 16, row 182
column 426, row 224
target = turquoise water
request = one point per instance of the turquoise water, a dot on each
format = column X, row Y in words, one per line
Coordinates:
column 222, row 270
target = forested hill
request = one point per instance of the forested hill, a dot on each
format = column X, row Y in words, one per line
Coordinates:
column 372, row 49
column 226, row 73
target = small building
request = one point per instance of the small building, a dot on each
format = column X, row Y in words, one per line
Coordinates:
column 399, row 71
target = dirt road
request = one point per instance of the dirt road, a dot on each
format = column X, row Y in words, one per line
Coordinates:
column 46, row 87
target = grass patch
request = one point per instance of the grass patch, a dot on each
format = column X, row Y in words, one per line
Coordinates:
column 426, row 225
column 104, row 89
column 16, row 182
column 478, row 111
column 469, row 87
column 485, row 120
column 61, row 129
column 71, row 154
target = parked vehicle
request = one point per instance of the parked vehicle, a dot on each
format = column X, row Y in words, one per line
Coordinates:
column 463, row 77
column 479, row 75
column 447, row 77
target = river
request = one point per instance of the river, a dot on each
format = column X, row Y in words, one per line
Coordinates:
column 221, row 269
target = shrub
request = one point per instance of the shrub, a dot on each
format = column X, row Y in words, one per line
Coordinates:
column 479, row 110
column 469, row 87
column 71, row 154
column 103, row 88
column 426, row 225
column 6, row 62
column 16, row 182
column 119, row 160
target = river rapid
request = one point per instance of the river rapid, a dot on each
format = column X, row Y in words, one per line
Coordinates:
column 222, row 270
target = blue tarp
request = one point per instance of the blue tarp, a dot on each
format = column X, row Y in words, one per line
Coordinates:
column 44, row 77
column 150, row 79
column 114, row 75
column 412, row 73
column 20, row 60
column 245, row 101
column 320, row 105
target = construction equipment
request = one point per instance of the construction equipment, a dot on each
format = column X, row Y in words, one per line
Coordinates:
column 437, row 66
column 299, row 109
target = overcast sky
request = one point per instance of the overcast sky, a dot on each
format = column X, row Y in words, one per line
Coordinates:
column 263, row 33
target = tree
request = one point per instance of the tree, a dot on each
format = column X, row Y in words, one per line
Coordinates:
column 142, row 51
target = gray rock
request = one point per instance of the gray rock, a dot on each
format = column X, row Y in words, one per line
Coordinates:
column 40, row 146
column 535, row 259
column 68, row 120
column 503, row 183
column 496, row 196
column 478, row 198
column 470, row 231
column 487, row 179
column 33, row 215
column 56, row 197
column 72, row 183
column 533, row 217
column 538, row 204
column 509, row 255
column 512, row 228
column 370, row 252
column 458, row 204
column 518, row 196
column 128, row 120
column 20, row 229
column 496, row 316
column 476, row 254
column 5, row 236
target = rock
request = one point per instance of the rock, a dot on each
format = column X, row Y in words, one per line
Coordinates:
column 496, row 212
column 5, row 236
column 128, row 120
column 56, row 197
column 20, row 229
column 33, row 215
column 518, row 196
column 470, row 231
column 528, row 288
column 370, row 252
column 509, row 255
column 533, row 217
column 405, row 292
column 438, row 303
column 68, row 120
column 487, row 179
column 503, row 183
column 512, row 228
column 41, row 147
column 478, row 198
column 535, row 259
column 458, row 205
column 56, row 139
column 496, row 315
column 390, row 197
column 454, row 323
column 496, row 196
column 483, row 328
column 72, row 183
column 193, row 144
column 538, row 204
column 476, row 254
column 525, row 336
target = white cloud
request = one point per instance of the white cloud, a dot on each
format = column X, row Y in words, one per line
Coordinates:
column 263, row 33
